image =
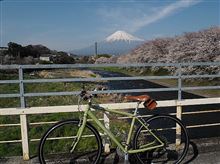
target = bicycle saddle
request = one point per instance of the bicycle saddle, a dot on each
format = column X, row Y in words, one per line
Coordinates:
column 141, row 98
column 148, row 102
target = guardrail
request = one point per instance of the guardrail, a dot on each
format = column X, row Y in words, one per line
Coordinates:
column 23, row 111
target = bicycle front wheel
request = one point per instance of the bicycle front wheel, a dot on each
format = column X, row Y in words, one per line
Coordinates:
column 167, row 129
column 57, row 142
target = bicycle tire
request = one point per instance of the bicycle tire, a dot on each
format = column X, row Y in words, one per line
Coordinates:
column 164, row 128
column 88, row 150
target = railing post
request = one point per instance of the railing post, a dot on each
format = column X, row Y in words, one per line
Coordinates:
column 178, row 128
column 106, row 143
column 23, row 118
column 179, row 108
column 179, row 81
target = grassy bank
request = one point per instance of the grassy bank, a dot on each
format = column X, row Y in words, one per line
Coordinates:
column 37, row 130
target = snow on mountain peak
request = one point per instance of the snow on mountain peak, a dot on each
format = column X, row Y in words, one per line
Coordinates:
column 122, row 36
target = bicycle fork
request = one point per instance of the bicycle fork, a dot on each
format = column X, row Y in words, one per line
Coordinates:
column 78, row 136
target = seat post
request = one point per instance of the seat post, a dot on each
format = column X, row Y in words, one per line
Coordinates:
column 126, row 161
column 136, row 109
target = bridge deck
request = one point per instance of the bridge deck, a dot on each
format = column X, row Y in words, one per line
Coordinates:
column 202, row 151
column 203, row 158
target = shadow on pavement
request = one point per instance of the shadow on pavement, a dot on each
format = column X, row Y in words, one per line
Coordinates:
column 193, row 151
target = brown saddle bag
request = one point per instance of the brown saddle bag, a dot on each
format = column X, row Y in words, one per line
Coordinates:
column 150, row 104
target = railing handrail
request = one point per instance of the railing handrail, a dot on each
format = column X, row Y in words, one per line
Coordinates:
column 50, row 66
column 179, row 88
column 23, row 111
column 120, row 106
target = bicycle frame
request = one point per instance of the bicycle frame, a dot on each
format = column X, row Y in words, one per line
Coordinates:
column 89, row 114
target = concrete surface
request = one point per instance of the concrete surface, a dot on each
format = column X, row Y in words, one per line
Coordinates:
column 202, row 151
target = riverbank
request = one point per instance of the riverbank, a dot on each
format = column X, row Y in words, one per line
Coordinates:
column 170, row 83
column 70, row 73
column 203, row 93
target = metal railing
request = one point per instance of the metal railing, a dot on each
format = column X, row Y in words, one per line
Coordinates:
column 23, row 111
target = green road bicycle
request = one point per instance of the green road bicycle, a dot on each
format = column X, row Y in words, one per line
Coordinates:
column 157, row 139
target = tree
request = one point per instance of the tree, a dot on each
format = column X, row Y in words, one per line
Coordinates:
column 31, row 51
column 63, row 58
column 15, row 49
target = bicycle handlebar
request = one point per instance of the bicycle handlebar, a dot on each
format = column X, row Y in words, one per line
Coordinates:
column 85, row 95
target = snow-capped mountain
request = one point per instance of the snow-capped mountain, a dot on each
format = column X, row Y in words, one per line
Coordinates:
column 122, row 36
column 117, row 43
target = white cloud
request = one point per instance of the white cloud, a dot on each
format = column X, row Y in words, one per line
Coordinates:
column 162, row 13
column 124, row 20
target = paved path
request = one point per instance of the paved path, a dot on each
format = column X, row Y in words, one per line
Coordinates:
column 203, row 151
column 203, row 158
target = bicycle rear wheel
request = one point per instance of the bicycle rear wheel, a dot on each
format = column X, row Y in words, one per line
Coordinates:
column 56, row 143
column 164, row 127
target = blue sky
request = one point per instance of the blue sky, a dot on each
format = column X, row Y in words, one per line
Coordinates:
column 72, row 24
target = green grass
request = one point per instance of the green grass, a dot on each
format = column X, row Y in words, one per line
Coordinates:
column 8, row 75
column 35, row 131
column 9, row 102
column 9, row 88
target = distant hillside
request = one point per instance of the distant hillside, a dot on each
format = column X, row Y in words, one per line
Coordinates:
column 199, row 46
column 202, row 46
column 34, row 54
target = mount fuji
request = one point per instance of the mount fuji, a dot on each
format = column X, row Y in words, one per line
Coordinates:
column 117, row 43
